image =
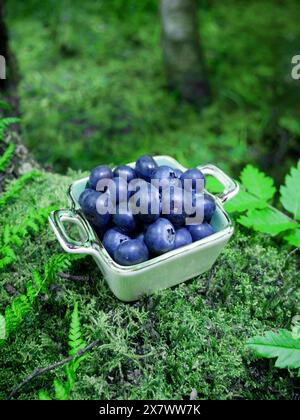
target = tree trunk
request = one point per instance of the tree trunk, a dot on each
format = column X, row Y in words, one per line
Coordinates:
column 8, row 86
column 182, row 52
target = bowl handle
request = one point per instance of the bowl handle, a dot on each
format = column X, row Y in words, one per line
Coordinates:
column 231, row 187
column 88, row 241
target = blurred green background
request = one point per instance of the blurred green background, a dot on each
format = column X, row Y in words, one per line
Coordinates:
column 93, row 87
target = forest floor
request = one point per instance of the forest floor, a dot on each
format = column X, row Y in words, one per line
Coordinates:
column 93, row 90
column 189, row 337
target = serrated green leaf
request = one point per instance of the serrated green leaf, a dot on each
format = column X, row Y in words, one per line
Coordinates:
column 293, row 238
column 281, row 345
column 290, row 192
column 267, row 220
column 257, row 183
column 244, row 201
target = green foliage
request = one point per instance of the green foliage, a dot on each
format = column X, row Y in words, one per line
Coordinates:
column 284, row 345
column 16, row 312
column 76, row 94
column 256, row 190
column 76, row 343
column 5, row 123
column 14, row 235
column 290, row 192
column 16, row 187
column 6, row 157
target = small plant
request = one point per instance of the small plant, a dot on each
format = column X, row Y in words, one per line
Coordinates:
column 283, row 344
column 14, row 236
column 253, row 204
column 76, row 344
column 21, row 305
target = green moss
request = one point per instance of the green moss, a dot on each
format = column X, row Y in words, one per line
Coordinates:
column 93, row 86
column 190, row 336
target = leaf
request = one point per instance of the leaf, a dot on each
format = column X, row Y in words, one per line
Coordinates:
column 267, row 220
column 290, row 192
column 281, row 345
column 60, row 391
column 213, row 185
column 76, row 342
column 293, row 238
column 257, row 183
column 244, row 201
column 44, row 396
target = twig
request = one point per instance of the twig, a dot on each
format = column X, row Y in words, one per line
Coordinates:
column 40, row 371
column 71, row 277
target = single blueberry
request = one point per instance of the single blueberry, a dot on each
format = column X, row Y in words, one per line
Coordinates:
column 207, row 202
column 131, row 252
column 145, row 166
column 195, row 180
column 172, row 205
column 91, row 202
column 182, row 238
column 99, row 173
column 126, row 172
column 140, row 237
column 160, row 236
column 164, row 176
column 200, row 231
column 112, row 239
column 124, row 219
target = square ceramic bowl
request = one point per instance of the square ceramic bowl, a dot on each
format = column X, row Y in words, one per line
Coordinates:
column 131, row 283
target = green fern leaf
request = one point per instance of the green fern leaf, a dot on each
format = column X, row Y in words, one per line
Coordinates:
column 267, row 220
column 293, row 238
column 44, row 396
column 76, row 342
column 281, row 345
column 60, row 391
column 6, row 157
column 290, row 192
column 257, row 183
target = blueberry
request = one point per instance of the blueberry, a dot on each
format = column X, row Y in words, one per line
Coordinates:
column 145, row 203
column 208, row 203
column 172, row 203
column 98, row 173
column 140, row 237
column 160, row 236
column 193, row 175
column 124, row 219
column 182, row 238
column 165, row 176
column 131, row 252
column 126, row 172
column 91, row 202
column 145, row 166
column 118, row 190
column 178, row 173
column 112, row 239
column 200, row 231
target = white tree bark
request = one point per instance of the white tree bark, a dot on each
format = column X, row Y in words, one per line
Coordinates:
column 182, row 52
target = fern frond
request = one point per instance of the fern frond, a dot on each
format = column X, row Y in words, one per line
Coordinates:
column 5, row 158
column 5, row 123
column 17, row 186
column 76, row 342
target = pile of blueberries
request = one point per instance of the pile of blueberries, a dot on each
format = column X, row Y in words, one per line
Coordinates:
column 132, row 238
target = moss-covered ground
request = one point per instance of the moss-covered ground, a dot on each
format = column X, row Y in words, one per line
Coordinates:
column 189, row 337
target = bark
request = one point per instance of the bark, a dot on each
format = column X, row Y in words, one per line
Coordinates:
column 182, row 53
column 8, row 85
